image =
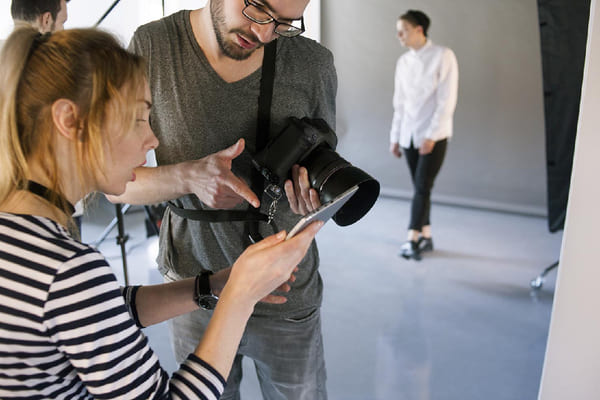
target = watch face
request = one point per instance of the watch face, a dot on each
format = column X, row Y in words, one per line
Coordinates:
column 207, row 302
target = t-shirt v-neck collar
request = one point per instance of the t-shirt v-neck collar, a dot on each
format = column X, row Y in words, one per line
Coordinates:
column 187, row 24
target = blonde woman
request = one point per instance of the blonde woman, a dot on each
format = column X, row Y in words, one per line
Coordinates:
column 74, row 112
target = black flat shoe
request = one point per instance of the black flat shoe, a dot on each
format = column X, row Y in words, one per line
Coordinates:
column 425, row 244
column 410, row 249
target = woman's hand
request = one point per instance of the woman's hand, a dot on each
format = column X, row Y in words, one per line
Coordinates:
column 268, row 265
column 218, row 280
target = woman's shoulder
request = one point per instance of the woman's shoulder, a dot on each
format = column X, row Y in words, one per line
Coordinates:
column 36, row 237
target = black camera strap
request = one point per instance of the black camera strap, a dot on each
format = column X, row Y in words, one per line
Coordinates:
column 262, row 135
column 263, row 127
column 217, row 215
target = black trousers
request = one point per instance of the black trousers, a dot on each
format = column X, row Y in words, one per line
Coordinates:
column 423, row 170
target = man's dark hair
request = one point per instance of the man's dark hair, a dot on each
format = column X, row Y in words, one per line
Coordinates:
column 30, row 10
column 417, row 18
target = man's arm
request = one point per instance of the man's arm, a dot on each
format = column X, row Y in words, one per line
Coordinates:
column 301, row 197
column 210, row 178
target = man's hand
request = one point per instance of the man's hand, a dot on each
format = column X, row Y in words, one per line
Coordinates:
column 395, row 149
column 210, row 178
column 302, row 198
column 427, row 147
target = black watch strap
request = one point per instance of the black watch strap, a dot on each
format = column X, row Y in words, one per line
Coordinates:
column 202, row 292
column 203, row 283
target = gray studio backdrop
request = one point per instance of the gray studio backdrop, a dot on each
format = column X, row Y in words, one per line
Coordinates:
column 497, row 155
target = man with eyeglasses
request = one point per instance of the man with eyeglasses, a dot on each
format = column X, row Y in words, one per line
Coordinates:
column 204, row 70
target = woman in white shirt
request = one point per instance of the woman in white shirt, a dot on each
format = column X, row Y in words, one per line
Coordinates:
column 425, row 91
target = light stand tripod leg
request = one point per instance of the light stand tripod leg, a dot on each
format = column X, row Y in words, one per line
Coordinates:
column 121, row 240
column 110, row 227
column 150, row 217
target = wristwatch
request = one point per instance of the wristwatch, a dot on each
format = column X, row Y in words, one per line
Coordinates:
column 202, row 293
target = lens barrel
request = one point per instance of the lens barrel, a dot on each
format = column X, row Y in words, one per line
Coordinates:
column 311, row 143
column 331, row 175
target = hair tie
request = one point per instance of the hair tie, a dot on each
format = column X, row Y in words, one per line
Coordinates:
column 38, row 40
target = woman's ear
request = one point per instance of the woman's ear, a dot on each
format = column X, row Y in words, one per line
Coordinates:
column 64, row 116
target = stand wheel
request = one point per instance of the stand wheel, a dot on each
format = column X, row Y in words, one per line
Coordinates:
column 537, row 283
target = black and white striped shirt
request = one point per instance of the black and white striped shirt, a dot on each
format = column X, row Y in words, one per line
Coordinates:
column 65, row 332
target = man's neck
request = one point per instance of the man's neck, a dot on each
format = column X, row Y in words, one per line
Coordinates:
column 228, row 69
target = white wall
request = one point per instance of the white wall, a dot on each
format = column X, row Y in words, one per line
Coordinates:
column 497, row 155
column 572, row 364
column 6, row 23
column 122, row 21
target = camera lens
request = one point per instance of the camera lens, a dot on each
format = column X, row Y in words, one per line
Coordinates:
column 331, row 176
column 311, row 143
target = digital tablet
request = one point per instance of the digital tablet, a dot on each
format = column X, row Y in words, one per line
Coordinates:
column 324, row 212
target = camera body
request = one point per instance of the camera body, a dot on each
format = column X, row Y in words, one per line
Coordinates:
column 311, row 143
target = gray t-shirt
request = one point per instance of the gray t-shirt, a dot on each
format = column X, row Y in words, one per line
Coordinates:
column 196, row 113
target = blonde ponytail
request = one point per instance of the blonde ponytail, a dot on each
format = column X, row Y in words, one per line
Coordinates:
column 85, row 66
column 13, row 58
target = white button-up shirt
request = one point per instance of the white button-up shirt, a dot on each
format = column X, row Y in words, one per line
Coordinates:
column 426, row 86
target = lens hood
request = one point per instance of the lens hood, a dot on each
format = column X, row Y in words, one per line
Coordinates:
column 360, row 203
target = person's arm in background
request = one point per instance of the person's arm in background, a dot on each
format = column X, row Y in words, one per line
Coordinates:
column 446, row 96
column 398, row 104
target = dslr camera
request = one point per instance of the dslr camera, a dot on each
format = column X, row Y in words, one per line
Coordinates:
column 311, row 143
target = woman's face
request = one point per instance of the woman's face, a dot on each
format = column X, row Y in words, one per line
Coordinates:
column 125, row 151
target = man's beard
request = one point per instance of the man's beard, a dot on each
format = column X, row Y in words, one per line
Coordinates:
column 230, row 49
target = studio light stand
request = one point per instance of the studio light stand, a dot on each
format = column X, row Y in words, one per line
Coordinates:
column 122, row 237
column 120, row 209
column 537, row 282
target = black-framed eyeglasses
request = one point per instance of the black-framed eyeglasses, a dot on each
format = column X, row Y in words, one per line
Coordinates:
column 257, row 13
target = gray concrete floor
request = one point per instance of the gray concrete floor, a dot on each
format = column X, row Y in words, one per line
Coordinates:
column 462, row 323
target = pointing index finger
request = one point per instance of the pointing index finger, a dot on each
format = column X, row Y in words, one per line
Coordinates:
column 242, row 190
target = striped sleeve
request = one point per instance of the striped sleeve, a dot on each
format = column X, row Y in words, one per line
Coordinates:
column 129, row 294
column 197, row 380
column 85, row 315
